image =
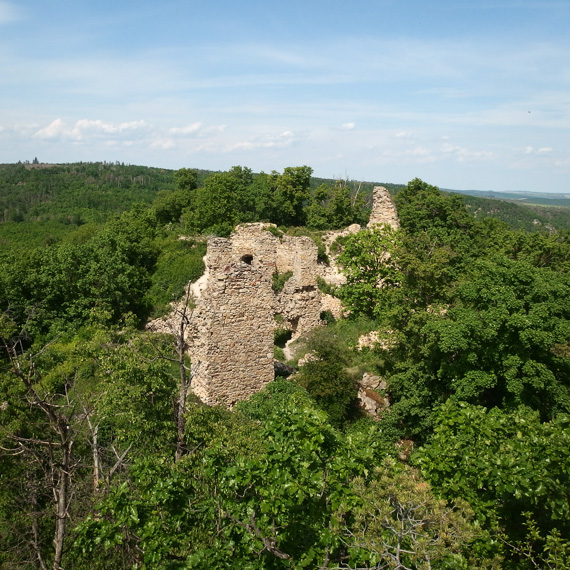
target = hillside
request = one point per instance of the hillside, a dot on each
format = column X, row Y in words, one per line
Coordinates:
column 455, row 327
column 41, row 203
column 523, row 198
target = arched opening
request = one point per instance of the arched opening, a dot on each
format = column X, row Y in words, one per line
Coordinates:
column 247, row 259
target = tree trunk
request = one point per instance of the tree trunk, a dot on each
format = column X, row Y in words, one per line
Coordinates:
column 62, row 501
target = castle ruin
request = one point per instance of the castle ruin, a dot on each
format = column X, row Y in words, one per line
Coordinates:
column 232, row 328
column 231, row 333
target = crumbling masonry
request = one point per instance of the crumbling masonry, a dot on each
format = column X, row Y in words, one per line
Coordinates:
column 231, row 333
column 232, row 327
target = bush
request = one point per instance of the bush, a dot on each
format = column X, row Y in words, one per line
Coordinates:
column 281, row 336
column 279, row 280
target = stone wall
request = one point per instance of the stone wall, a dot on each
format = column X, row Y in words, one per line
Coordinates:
column 383, row 209
column 230, row 336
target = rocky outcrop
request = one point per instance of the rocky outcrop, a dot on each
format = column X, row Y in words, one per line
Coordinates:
column 372, row 395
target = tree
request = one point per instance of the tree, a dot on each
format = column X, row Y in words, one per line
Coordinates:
column 371, row 269
column 325, row 378
column 179, row 324
column 394, row 520
column 215, row 207
column 44, row 439
column 291, row 191
column 248, row 496
column 186, row 179
column 494, row 345
column 505, row 464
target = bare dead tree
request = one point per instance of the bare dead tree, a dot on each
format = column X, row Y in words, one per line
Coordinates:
column 54, row 450
column 99, row 473
column 179, row 324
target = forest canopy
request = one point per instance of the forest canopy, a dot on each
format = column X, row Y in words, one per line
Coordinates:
column 105, row 464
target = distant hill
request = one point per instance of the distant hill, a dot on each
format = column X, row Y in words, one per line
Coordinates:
column 523, row 198
column 40, row 203
column 531, row 211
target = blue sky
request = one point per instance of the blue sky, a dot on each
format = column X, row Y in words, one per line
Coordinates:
column 463, row 94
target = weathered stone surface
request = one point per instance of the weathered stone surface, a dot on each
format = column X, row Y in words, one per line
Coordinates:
column 383, row 209
column 371, row 394
column 331, row 272
column 230, row 335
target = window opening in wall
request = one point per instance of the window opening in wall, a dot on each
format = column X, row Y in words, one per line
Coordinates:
column 247, row 259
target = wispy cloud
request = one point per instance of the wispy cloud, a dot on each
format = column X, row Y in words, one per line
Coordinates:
column 10, row 13
column 88, row 128
column 285, row 139
column 391, row 106
column 463, row 154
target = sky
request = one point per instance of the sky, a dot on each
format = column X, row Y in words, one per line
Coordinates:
column 463, row 94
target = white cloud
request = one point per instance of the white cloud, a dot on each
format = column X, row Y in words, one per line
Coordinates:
column 54, row 130
column 196, row 129
column 163, row 144
column 83, row 128
column 187, row 130
column 544, row 150
column 463, row 154
column 98, row 126
column 348, row 126
column 285, row 139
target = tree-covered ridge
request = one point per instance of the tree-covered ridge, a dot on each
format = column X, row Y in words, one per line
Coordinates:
column 105, row 465
column 76, row 193
column 528, row 217
column 59, row 198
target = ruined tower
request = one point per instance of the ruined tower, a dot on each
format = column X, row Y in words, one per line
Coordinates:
column 231, row 333
column 383, row 209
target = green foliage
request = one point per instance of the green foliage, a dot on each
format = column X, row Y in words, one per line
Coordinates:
column 279, row 280
column 169, row 205
column 215, row 204
column 466, row 309
column 135, row 404
column 274, row 231
column 100, row 280
column 281, row 336
column 493, row 346
column 179, row 262
column 396, row 521
column 291, row 190
column 325, row 376
column 74, row 194
column 275, row 396
column 332, row 388
column 370, row 268
column 270, row 492
column 478, row 310
column 423, row 208
column 522, row 216
column 333, row 207
column 324, row 287
column 504, row 464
